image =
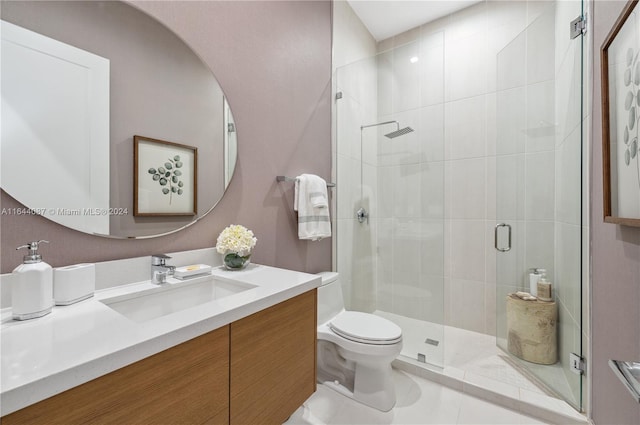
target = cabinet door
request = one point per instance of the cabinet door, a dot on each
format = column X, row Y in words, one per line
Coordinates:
column 273, row 361
column 186, row 384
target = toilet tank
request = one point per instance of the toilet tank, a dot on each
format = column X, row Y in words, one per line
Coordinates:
column 330, row 301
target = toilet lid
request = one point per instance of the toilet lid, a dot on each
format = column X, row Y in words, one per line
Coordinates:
column 365, row 328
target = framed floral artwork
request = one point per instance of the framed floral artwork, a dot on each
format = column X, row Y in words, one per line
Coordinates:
column 165, row 179
column 620, row 67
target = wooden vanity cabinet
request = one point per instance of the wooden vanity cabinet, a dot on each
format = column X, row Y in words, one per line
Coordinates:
column 259, row 369
column 186, row 384
column 273, row 361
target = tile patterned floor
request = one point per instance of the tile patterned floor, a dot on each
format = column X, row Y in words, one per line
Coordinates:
column 472, row 363
column 481, row 387
column 419, row 401
column 476, row 358
column 474, row 354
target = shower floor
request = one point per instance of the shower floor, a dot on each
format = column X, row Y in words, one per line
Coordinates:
column 471, row 361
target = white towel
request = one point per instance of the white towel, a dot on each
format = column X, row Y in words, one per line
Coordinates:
column 312, row 204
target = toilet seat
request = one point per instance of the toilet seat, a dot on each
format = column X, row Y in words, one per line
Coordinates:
column 365, row 328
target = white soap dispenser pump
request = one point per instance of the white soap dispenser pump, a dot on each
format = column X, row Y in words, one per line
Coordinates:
column 32, row 291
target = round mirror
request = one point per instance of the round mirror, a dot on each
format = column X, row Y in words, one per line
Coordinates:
column 111, row 124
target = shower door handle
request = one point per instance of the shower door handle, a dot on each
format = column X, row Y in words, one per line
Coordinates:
column 495, row 237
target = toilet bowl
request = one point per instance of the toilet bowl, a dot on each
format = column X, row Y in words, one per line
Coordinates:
column 355, row 349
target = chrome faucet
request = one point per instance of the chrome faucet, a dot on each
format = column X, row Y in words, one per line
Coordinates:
column 160, row 270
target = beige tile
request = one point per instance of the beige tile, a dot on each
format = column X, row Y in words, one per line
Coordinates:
column 549, row 409
column 406, row 79
column 477, row 411
column 511, row 64
column 490, row 308
column 465, row 127
column 468, row 250
column 491, row 390
column 539, row 186
column 540, row 57
column 432, row 192
column 491, row 106
column 468, row 297
column 431, row 65
column 468, row 22
column 468, row 188
column 431, row 133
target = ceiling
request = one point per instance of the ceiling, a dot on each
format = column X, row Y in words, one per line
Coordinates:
column 386, row 18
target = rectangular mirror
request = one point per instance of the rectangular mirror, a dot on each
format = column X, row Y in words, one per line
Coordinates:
column 620, row 54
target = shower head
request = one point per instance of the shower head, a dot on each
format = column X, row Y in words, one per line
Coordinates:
column 399, row 132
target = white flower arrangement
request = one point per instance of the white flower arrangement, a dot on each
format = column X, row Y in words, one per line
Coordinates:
column 236, row 238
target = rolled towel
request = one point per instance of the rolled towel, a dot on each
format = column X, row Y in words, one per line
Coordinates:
column 525, row 296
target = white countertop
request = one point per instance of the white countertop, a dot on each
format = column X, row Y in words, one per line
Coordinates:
column 77, row 343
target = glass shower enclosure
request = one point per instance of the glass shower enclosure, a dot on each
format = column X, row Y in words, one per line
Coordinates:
column 416, row 212
column 541, row 222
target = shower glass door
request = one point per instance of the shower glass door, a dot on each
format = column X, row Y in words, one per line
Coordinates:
column 391, row 256
column 539, row 195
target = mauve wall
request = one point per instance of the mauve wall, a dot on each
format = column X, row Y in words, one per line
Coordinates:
column 615, row 264
column 273, row 60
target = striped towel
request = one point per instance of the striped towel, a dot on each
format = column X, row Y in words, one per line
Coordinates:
column 312, row 204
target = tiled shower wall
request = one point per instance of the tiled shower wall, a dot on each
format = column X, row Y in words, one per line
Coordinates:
column 438, row 185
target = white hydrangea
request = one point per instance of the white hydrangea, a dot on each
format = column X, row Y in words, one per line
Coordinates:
column 236, row 238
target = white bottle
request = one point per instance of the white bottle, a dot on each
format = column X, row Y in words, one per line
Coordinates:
column 534, row 276
column 32, row 291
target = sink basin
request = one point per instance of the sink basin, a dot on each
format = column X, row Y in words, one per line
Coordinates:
column 170, row 298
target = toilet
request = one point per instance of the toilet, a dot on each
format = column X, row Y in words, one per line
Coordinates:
column 355, row 349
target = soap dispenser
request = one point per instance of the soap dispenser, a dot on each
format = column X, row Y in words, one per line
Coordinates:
column 534, row 277
column 32, row 291
column 544, row 287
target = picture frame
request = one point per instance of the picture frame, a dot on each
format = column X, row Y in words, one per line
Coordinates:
column 165, row 178
column 620, row 68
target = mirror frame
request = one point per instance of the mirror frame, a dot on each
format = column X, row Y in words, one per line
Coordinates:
column 607, row 148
